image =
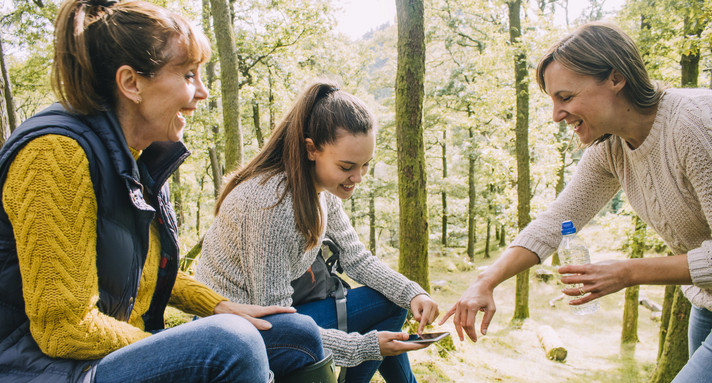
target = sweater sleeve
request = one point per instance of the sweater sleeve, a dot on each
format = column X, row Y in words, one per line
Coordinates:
column 194, row 297
column 353, row 348
column 49, row 198
column 592, row 186
column 695, row 148
column 361, row 265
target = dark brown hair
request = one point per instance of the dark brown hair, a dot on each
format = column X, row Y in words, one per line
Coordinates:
column 596, row 49
column 322, row 112
column 93, row 38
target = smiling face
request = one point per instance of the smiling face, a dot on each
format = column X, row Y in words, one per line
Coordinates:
column 340, row 165
column 165, row 99
column 588, row 105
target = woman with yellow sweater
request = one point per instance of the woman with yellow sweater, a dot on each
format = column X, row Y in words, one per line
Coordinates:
column 88, row 238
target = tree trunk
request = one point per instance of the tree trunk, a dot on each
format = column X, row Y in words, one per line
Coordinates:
column 256, row 121
column 216, row 172
column 4, row 123
column 372, row 215
column 9, row 100
column 409, row 92
column 675, row 353
column 214, row 155
column 488, row 237
column 502, row 239
column 443, row 194
column 229, row 81
column 177, row 193
column 270, row 100
column 690, row 61
column 472, row 199
column 521, row 309
column 665, row 317
column 629, row 333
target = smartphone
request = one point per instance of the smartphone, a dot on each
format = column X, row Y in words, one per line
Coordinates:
column 427, row 338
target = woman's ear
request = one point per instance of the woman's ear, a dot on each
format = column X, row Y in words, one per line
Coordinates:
column 127, row 83
column 312, row 151
column 617, row 80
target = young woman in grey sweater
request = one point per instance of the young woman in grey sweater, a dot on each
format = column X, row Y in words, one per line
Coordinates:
column 274, row 213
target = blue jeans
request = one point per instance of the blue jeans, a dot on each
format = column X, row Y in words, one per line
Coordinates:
column 698, row 367
column 367, row 310
column 218, row 348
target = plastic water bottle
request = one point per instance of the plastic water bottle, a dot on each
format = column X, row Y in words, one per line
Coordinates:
column 572, row 251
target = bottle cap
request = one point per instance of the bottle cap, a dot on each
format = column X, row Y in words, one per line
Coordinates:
column 567, row 227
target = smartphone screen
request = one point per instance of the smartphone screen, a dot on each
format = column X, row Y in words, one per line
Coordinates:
column 427, row 338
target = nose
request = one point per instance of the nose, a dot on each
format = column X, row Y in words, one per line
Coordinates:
column 357, row 176
column 201, row 92
column 558, row 113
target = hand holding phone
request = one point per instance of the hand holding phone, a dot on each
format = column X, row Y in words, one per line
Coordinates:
column 427, row 338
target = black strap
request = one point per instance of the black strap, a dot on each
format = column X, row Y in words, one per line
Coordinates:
column 339, row 294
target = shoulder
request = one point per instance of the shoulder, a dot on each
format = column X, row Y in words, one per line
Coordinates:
column 259, row 193
column 687, row 105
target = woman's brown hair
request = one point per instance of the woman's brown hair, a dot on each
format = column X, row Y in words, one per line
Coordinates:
column 93, row 38
column 322, row 112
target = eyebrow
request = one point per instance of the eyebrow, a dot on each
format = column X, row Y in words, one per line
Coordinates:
column 353, row 163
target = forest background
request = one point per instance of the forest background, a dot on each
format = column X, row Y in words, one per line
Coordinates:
column 491, row 158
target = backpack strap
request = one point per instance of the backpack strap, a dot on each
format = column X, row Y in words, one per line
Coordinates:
column 339, row 294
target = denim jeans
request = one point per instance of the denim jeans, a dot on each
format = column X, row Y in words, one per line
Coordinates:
column 367, row 310
column 698, row 367
column 218, row 348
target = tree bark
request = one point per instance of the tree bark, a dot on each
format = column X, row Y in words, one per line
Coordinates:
column 443, row 194
column 8, row 98
column 372, row 215
column 674, row 354
column 177, row 193
column 521, row 308
column 256, row 121
column 629, row 333
column 472, row 199
column 409, row 92
column 229, row 82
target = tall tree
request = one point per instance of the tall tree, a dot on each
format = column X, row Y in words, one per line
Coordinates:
column 409, row 92
column 521, row 78
column 4, row 124
column 443, row 193
column 629, row 333
column 8, row 100
column 229, row 81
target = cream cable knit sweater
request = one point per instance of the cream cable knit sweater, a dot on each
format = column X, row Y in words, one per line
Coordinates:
column 668, row 182
column 253, row 251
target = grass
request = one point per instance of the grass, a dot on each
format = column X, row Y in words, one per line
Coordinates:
column 514, row 354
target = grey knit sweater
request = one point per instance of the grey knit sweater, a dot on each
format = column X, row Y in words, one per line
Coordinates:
column 668, row 182
column 253, row 251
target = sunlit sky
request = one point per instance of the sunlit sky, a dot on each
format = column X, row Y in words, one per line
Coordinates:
column 360, row 16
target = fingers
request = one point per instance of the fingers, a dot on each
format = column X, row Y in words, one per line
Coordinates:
column 448, row 314
column 469, row 325
column 269, row 310
column 260, row 324
column 486, row 319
